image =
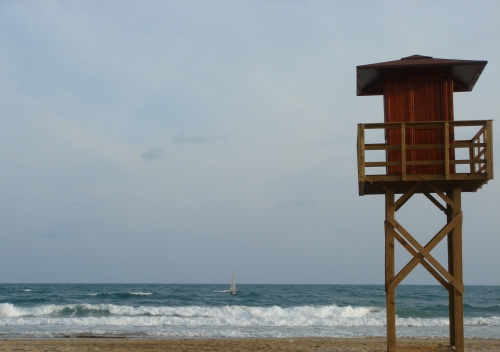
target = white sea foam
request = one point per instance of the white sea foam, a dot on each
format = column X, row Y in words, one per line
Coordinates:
column 221, row 321
column 141, row 293
column 243, row 314
column 491, row 321
column 8, row 310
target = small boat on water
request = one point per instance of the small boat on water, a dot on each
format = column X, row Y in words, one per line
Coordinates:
column 232, row 289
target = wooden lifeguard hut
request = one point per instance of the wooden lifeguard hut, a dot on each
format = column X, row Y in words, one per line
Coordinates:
column 422, row 151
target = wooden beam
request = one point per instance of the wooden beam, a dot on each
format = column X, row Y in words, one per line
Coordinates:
column 361, row 152
column 424, row 146
column 482, row 168
column 466, row 144
column 406, row 196
column 479, row 133
column 464, row 162
column 455, row 266
column 426, row 162
column 361, row 188
column 439, row 193
column 426, row 124
column 479, row 154
column 472, row 167
column 432, row 178
column 381, row 163
column 380, row 146
column 489, row 151
column 446, row 151
column 403, row 152
column 451, row 293
column 435, row 201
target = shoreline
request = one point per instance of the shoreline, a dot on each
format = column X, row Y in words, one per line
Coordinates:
column 115, row 344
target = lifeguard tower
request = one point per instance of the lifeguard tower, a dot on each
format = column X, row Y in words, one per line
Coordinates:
column 423, row 150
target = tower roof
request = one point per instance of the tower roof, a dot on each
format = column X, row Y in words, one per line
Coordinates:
column 370, row 78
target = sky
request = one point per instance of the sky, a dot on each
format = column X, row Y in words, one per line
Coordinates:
column 175, row 141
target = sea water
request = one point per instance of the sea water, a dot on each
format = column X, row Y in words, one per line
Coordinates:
column 209, row 311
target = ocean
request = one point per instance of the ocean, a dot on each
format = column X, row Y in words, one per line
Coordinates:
column 264, row 311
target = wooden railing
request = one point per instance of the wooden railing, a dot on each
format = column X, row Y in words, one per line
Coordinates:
column 480, row 150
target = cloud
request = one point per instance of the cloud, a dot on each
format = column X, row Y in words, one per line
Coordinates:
column 197, row 139
column 154, row 153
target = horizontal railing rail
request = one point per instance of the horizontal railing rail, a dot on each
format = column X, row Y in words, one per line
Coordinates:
column 480, row 148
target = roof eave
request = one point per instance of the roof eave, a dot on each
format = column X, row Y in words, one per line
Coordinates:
column 465, row 73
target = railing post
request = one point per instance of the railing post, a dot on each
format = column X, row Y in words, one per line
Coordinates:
column 403, row 151
column 488, row 136
column 361, row 152
column 472, row 166
column 446, row 151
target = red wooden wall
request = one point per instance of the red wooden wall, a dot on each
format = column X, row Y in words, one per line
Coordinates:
column 418, row 95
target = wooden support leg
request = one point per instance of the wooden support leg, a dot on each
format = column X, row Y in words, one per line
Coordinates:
column 390, row 290
column 456, row 298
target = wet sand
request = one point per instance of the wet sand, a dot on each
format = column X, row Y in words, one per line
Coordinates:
column 228, row 345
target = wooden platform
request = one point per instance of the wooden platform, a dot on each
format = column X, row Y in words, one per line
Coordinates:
column 403, row 172
column 377, row 184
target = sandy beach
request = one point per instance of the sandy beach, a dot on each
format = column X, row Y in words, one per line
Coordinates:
column 177, row 345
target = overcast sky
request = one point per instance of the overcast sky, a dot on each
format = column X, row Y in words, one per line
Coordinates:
column 175, row 141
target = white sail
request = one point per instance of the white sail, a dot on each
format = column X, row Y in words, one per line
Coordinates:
column 232, row 290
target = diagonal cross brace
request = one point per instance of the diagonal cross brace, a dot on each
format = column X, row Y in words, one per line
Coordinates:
column 406, row 196
column 435, row 202
column 419, row 257
column 423, row 252
column 441, row 194
column 409, row 267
